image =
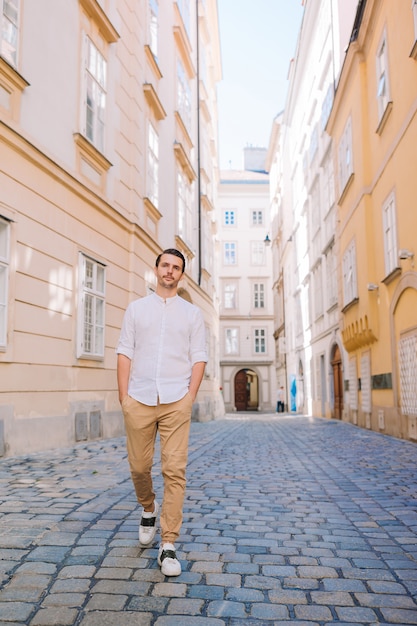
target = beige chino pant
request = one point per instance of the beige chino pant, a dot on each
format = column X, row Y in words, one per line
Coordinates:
column 172, row 421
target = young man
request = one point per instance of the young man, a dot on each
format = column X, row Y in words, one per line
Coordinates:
column 160, row 365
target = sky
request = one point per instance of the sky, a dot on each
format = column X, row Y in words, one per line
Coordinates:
column 258, row 40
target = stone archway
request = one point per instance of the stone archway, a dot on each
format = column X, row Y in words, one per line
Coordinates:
column 337, row 371
column 246, row 386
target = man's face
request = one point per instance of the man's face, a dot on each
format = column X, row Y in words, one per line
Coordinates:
column 169, row 271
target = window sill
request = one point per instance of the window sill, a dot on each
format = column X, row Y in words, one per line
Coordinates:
column 346, row 188
column 384, row 118
column 91, row 163
column 12, row 85
column 391, row 276
column 350, row 305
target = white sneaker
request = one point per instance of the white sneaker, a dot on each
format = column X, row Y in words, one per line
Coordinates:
column 147, row 526
column 167, row 560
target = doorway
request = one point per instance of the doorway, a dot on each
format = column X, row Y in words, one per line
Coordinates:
column 246, row 390
column 337, row 383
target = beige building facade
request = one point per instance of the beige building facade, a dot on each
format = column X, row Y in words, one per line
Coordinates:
column 245, row 288
column 108, row 144
column 374, row 129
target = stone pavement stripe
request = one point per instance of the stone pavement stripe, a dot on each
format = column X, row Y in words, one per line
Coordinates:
column 286, row 518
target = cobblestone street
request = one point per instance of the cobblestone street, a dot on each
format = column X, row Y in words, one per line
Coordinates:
column 286, row 519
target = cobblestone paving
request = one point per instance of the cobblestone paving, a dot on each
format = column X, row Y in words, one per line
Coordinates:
column 286, row 519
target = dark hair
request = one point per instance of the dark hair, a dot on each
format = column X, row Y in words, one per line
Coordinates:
column 173, row 251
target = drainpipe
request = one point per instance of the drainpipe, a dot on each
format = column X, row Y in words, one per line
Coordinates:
column 198, row 145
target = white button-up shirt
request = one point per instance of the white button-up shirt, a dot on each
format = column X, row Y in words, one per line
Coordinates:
column 163, row 338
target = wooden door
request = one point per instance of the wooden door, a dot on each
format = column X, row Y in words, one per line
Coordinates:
column 337, row 384
column 241, row 392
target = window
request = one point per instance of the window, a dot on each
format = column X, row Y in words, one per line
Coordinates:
column 258, row 295
column 350, row 290
column 327, row 106
column 153, row 27
column 230, row 292
column 314, row 143
column 345, row 156
column 383, row 92
column 390, row 234
column 259, row 341
column 257, row 218
column 328, row 184
column 318, row 291
column 153, row 165
column 183, row 96
column 257, row 250
column 9, row 30
column 414, row 9
column 229, row 253
column 184, row 207
column 229, row 217
column 4, row 279
column 92, row 302
column 96, row 70
column 184, row 7
column 231, row 341
column 331, row 277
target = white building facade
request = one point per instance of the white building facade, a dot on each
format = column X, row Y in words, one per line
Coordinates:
column 245, row 288
column 309, row 349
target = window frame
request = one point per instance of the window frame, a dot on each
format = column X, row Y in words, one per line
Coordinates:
column 349, row 269
column 257, row 217
column 259, row 340
column 229, row 253
column 153, row 27
column 4, row 284
column 94, row 129
column 11, row 57
column 230, row 296
column 229, row 217
column 231, row 338
column 383, row 92
column 345, row 155
column 153, row 165
column 257, row 253
column 258, row 295
column 389, row 234
column 93, row 295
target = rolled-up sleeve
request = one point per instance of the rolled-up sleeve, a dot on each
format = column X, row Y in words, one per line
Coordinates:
column 126, row 343
column 198, row 350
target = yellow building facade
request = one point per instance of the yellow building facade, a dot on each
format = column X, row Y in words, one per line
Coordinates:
column 108, row 155
column 373, row 125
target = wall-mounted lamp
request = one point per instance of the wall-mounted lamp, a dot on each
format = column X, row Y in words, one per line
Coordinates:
column 405, row 254
column 372, row 287
column 267, row 240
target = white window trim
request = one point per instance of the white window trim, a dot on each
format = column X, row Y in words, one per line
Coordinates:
column 383, row 93
column 153, row 27
column 153, row 165
column 97, row 135
column 258, row 296
column 350, row 285
column 345, row 156
column 389, row 225
column 97, row 353
column 229, row 253
column 232, row 340
column 259, row 336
